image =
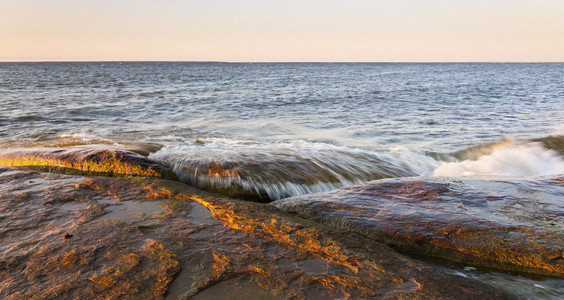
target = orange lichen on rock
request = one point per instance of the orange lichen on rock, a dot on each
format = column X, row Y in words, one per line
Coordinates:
column 111, row 165
column 85, row 161
column 336, row 282
column 166, row 269
column 72, row 259
column 88, row 184
column 220, row 263
column 256, row 269
column 163, row 267
column 158, row 193
column 306, row 239
column 110, row 276
column 303, row 238
column 218, row 170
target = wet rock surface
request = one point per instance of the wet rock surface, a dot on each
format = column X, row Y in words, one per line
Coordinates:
column 515, row 225
column 273, row 172
column 85, row 237
column 86, row 160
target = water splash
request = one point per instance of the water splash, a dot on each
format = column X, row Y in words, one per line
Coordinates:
column 276, row 170
column 506, row 158
column 283, row 169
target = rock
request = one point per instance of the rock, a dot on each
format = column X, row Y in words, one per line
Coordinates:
column 86, row 160
column 101, row 260
column 123, row 248
column 515, row 225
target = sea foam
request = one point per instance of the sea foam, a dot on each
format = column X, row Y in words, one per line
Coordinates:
column 507, row 159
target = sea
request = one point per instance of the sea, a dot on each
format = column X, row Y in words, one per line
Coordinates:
column 287, row 129
column 298, row 128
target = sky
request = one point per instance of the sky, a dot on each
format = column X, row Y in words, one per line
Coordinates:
column 290, row 30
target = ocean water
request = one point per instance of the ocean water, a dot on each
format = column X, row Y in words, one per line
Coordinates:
column 440, row 107
column 284, row 129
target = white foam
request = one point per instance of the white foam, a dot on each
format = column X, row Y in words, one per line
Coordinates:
column 79, row 135
column 414, row 160
column 509, row 159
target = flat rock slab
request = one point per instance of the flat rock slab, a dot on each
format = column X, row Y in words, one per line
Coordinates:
column 96, row 237
column 515, row 225
column 86, row 160
column 50, row 246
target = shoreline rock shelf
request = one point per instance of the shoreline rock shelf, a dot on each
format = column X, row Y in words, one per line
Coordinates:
column 507, row 224
column 59, row 236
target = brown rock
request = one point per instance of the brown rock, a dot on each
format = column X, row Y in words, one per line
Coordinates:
column 514, row 225
column 269, row 174
column 101, row 260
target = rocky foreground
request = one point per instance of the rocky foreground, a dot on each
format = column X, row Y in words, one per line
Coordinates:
column 79, row 237
column 72, row 236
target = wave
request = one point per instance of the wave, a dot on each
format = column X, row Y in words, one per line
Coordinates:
column 555, row 143
column 506, row 158
column 475, row 152
column 270, row 170
column 275, row 170
column 278, row 170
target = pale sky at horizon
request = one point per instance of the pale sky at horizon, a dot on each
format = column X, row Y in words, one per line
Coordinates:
column 315, row 30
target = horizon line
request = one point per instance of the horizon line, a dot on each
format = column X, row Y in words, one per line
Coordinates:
column 279, row 62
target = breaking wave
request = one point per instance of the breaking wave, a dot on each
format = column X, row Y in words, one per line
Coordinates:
column 278, row 170
column 507, row 158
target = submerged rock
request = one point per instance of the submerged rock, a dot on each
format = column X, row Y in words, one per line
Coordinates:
column 121, row 247
column 515, row 225
column 269, row 172
column 86, row 160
